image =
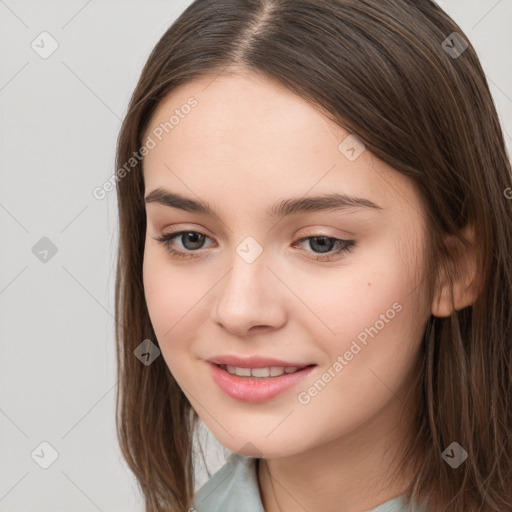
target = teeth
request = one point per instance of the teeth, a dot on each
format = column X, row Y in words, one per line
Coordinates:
column 275, row 370
column 261, row 373
column 241, row 372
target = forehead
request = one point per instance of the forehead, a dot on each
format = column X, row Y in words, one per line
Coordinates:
column 251, row 136
column 237, row 112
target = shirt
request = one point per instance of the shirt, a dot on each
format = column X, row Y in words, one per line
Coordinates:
column 234, row 488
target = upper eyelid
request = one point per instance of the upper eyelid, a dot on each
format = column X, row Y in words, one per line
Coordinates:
column 156, row 214
column 316, row 232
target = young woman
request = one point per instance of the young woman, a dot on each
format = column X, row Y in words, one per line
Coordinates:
column 314, row 259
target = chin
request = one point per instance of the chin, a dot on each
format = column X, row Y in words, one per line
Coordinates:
column 259, row 446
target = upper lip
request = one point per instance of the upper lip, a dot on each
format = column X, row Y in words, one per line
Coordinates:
column 254, row 362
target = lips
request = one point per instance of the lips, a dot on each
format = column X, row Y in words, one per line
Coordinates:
column 254, row 389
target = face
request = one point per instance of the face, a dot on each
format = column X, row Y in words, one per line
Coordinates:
column 334, row 291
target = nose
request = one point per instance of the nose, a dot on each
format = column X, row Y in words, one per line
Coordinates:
column 250, row 297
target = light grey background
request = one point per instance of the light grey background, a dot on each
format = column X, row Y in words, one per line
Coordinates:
column 60, row 117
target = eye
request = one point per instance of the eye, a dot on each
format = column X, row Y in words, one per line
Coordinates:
column 326, row 244
column 192, row 241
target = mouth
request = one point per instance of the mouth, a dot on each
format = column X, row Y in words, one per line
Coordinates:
column 257, row 384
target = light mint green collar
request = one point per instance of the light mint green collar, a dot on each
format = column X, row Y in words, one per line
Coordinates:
column 234, row 488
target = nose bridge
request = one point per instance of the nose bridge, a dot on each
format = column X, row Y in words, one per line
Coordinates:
column 248, row 295
column 247, row 279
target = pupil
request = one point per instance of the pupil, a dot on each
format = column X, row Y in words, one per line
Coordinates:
column 325, row 244
column 196, row 239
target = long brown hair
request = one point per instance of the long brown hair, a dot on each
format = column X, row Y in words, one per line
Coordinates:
column 394, row 74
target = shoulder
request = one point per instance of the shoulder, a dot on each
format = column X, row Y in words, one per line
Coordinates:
column 233, row 488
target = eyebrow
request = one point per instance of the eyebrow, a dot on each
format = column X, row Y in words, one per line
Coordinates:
column 283, row 208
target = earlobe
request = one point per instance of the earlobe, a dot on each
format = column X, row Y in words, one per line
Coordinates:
column 465, row 277
column 442, row 305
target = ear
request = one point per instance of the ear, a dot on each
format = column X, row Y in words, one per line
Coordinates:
column 465, row 282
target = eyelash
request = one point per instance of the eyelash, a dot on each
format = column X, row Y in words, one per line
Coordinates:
column 345, row 246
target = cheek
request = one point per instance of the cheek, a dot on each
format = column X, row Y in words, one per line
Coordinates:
column 369, row 313
column 174, row 304
column 370, row 289
column 170, row 298
column 368, row 359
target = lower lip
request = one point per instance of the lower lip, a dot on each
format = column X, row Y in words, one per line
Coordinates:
column 255, row 389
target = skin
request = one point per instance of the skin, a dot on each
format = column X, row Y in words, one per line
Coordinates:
column 248, row 144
